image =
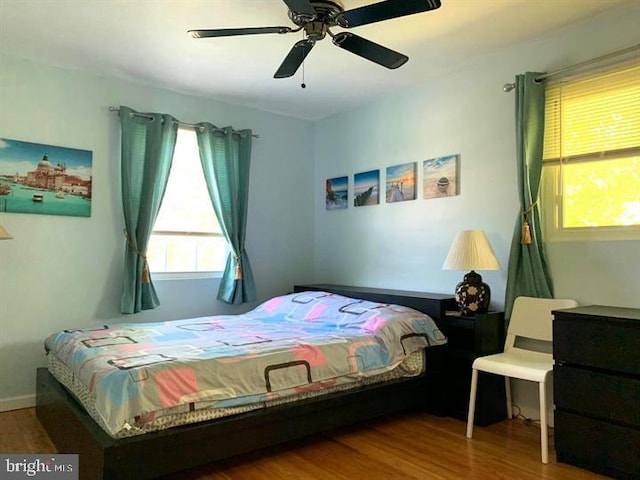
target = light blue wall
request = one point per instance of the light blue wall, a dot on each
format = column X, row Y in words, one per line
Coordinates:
column 60, row 272
column 403, row 245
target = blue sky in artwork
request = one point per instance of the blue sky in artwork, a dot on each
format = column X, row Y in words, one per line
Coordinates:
column 21, row 157
column 400, row 171
column 367, row 179
column 441, row 162
column 339, row 183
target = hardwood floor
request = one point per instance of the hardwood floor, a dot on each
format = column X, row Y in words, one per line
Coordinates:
column 409, row 446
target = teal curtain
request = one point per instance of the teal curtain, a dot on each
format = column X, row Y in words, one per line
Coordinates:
column 226, row 160
column 528, row 273
column 148, row 141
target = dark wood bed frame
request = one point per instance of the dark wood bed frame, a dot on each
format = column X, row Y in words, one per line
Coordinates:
column 72, row 430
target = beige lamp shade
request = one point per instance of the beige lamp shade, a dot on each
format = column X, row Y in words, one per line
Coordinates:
column 471, row 250
column 4, row 235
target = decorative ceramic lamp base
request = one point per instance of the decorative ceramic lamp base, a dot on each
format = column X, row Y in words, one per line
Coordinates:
column 472, row 294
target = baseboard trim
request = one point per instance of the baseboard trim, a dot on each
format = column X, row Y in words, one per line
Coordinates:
column 16, row 403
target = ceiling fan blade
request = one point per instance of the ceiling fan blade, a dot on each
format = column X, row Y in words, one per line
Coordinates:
column 369, row 50
column 380, row 11
column 295, row 58
column 230, row 32
column 301, row 6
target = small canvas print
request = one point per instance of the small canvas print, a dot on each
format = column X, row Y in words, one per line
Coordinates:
column 337, row 189
column 44, row 179
column 366, row 188
column 440, row 177
column 401, row 182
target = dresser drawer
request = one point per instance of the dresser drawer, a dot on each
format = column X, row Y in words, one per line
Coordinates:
column 602, row 447
column 595, row 342
column 601, row 395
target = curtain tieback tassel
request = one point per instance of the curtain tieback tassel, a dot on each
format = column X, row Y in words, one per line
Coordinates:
column 526, row 229
column 238, row 273
column 526, row 234
column 146, row 276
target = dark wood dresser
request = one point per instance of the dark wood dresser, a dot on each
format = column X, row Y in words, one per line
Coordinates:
column 597, row 389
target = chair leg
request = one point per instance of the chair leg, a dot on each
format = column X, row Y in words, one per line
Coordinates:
column 507, row 388
column 472, row 402
column 544, row 439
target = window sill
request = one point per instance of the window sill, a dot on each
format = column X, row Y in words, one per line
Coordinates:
column 602, row 234
column 185, row 275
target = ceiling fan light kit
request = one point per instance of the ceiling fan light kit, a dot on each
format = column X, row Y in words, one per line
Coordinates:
column 316, row 17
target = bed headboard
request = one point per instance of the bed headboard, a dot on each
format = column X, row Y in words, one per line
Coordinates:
column 433, row 304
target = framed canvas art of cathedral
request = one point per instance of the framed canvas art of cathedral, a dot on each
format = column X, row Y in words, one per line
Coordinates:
column 44, row 179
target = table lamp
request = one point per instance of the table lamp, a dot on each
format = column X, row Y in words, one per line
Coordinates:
column 472, row 251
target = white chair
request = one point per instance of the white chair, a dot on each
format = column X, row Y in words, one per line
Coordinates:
column 531, row 318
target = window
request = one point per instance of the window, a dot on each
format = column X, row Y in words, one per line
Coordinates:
column 591, row 174
column 186, row 236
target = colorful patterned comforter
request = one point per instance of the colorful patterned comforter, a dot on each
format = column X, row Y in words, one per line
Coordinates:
column 294, row 343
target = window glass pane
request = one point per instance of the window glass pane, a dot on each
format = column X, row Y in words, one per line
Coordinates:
column 211, row 254
column 181, row 256
column 591, row 153
column 156, row 250
column 187, row 211
column 601, row 193
column 179, row 253
column 186, row 206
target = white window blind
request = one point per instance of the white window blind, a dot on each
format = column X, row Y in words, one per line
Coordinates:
column 591, row 177
column 598, row 115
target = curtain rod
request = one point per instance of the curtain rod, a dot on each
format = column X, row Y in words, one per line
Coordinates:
column 510, row 86
column 182, row 124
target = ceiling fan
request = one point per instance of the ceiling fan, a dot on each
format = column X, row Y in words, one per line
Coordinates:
column 316, row 17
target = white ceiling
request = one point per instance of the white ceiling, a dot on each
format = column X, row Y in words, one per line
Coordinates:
column 146, row 41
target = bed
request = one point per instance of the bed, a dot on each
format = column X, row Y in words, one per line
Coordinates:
column 271, row 417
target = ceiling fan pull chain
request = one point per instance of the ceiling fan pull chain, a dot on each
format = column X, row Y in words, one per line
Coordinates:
column 303, row 85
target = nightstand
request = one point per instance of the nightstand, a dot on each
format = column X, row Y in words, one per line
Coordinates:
column 469, row 338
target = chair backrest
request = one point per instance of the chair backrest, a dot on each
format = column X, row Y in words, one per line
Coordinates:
column 531, row 318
